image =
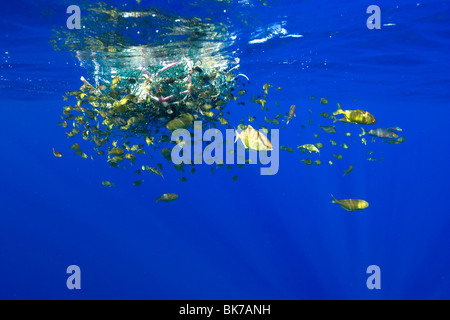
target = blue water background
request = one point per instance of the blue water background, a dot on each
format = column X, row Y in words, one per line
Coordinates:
column 262, row 237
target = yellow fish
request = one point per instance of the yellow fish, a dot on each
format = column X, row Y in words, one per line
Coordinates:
column 355, row 116
column 182, row 122
column 309, row 147
column 107, row 184
column 351, row 204
column 253, row 139
column 57, row 154
column 149, row 140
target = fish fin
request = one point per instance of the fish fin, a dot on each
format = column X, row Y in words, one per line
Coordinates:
column 238, row 136
column 157, row 199
column 339, row 110
column 335, row 200
column 363, row 132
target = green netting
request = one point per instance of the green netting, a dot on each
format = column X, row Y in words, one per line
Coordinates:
column 148, row 103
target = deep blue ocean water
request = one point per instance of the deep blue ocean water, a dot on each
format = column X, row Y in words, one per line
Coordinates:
column 261, row 237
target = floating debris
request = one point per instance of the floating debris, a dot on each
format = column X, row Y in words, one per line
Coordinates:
column 323, row 101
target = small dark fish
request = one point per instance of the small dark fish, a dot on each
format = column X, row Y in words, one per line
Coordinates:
column 198, row 69
column 395, row 141
column 348, row 170
column 138, row 183
column 107, row 184
column 291, row 113
column 167, row 197
column 328, row 129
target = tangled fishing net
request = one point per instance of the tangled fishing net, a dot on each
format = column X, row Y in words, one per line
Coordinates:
column 137, row 94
